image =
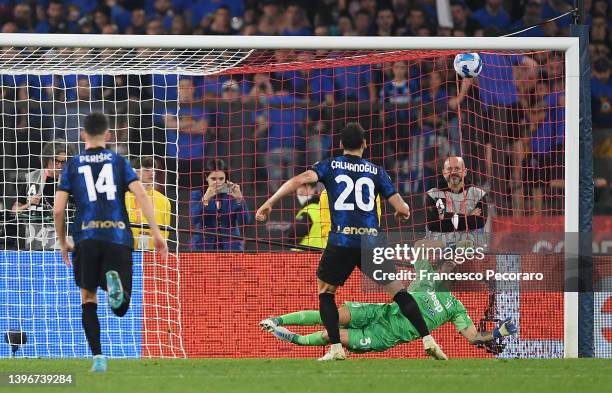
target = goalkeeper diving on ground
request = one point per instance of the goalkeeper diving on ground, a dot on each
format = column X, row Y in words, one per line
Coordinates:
column 377, row 327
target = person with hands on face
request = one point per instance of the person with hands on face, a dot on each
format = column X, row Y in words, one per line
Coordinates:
column 220, row 210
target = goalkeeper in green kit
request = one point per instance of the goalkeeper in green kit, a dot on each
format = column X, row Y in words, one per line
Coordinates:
column 380, row 326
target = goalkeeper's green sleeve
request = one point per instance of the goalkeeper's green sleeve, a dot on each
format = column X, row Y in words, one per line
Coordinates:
column 301, row 318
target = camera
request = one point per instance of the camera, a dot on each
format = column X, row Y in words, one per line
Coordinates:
column 224, row 189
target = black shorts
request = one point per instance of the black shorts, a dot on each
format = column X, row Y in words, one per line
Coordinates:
column 337, row 263
column 92, row 258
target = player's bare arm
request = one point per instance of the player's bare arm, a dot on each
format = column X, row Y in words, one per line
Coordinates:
column 288, row 188
column 59, row 209
column 402, row 210
column 145, row 205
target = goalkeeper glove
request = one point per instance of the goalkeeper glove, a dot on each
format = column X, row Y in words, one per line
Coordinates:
column 506, row 328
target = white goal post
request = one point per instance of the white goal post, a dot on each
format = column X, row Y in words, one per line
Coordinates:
column 209, row 55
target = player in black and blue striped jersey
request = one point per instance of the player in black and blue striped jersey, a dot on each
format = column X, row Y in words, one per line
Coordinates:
column 353, row 185
column 98, row 179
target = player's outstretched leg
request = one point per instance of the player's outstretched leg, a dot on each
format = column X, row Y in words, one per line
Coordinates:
column 118, row 298
column 410, row 309
column 317, row 339
column 299, row 318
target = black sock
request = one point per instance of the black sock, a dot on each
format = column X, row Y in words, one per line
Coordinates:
column 329, row 316
column 91, row 325
column 410, row 309
column 123, row 309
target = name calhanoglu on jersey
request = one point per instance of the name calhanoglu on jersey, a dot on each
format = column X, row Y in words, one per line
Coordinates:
column 349, row 166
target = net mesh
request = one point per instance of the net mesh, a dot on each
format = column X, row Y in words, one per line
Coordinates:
column 269, row 115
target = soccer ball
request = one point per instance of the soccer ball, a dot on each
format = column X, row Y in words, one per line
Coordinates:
column 468, row 65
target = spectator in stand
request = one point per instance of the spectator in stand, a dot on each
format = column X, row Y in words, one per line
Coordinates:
column 270, row 9
column 155, row 27
column 321, row 31
column 24, row 18
column 72, row 18
column 532, row 15
column 190, row 122
column 598, row 49
column 164, row 12
column 120, row 17
column 221, row 209
column 461, row 20
column 110, row 29
column 385, row 23
column 203, row 10
column 286, row 133
column 101, row 18
column 267, row 26
column 599, row 29
column 260, row 89
column 221, row 23
column 295, row 21
column 54, row 22
column 545, row 162
column 435, row 114
column 493, row 14
column 396, row 96
column 9, row 27
column 70, row 117
column 363, row 23
column 68, row 86
column 179, row 27
column 368, row 6
column 353, row 83
column 139, row 22
column 424, row 31
column 554, row 8
column 601, row 91
column 400, row 11
column 345, row 25
column 416, row 20
column 249, row 30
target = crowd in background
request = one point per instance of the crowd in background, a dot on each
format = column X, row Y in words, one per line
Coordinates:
column 269, row 125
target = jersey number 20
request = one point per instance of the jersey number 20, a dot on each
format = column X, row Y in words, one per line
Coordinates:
column 105, row 183
column 358, row 186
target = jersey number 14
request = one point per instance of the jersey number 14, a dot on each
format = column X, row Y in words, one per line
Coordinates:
column 105, row 183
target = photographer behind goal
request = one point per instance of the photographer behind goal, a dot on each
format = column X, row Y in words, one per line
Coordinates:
column 457, row 214
column 37, row 194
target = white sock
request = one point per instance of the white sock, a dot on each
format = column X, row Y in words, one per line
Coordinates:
column 428, row 338
column 336, row 347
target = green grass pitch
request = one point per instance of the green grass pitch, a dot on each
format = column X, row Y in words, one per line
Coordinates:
column 307, row 375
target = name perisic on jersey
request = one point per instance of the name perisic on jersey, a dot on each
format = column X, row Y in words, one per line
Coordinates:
column 353, row 167
column 357, row 231
column 95, row 158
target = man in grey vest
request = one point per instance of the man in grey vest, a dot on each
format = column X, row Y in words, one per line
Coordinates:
column 36, row 196
column 457, row 214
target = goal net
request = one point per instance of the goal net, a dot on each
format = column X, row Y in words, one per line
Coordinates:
column 190, row 117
